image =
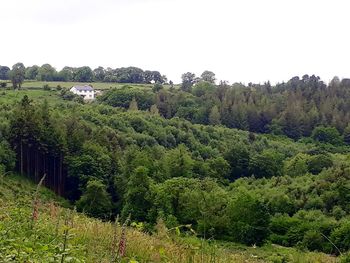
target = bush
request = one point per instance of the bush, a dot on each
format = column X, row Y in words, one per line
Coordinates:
column 3, row 85
column 341, row 236
column 7, row 156
column 46, row 87
column 345, row 258
column 157, row 87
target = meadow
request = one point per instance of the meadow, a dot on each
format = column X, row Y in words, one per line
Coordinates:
column 33, row 84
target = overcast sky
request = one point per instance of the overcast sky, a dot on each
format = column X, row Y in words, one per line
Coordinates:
column 239, row 40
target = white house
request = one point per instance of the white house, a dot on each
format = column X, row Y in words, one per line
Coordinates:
column 87, row 92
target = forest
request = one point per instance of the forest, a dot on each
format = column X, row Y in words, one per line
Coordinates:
column 250, row 164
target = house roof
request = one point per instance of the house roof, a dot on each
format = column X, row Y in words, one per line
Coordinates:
column 86, row 87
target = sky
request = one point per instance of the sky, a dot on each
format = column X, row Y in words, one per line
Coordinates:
column 239, row 40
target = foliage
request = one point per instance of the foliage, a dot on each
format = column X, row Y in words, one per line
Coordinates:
column 266, row 164
column 248, row 219
column 188, row 174
column 90, row 240
column 95, row 201
column 17, row 75
column 327, row 135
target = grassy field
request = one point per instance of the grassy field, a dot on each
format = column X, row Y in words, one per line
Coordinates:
column 58, row 234
column 10, row 95
column 31, row 84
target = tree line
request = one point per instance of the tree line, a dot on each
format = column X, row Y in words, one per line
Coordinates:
column 18, row 73
column 294, row 108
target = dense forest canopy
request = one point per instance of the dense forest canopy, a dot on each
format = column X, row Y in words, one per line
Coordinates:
column 249, row 164
column 295, row 108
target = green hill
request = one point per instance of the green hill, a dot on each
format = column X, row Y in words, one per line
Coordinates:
column 61, row 234
column 224, row 194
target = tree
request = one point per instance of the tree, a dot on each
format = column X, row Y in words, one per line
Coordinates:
column 130, row 75
column 208, row 76
column 335, row 82
column 238, row 158
column 46, row 73
column 133, row 105
column 319, row 162
column 95, row 200
column 99, row 74
column 178, row 162
column 266, row 164
column 204, row 88
column 66, row 74
column 23, row 130
column 136, row 198
column 214, row 116
column 297, row 165
column 17, row 75
column 188, row 79
column 4, row 72
column 7, row 156
column 83, row 74
column 327, row 135
column 346, row 135
column 248, row 219
column 32, row 72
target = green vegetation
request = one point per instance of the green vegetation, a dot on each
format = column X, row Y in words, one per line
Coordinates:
column 58, row 234
column 175, row 156
column 81, row 74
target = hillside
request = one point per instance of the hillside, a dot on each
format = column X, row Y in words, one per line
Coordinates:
column 120, row 156
column 24, row 239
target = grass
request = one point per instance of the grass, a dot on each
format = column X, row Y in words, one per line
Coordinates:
column 10, row 95
column 33, row 84
column 62, row 235
column 96, row 85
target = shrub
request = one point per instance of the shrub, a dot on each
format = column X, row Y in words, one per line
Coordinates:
column 341, row 236
column 157, row 87
column 46, row 87
column 345, row 258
